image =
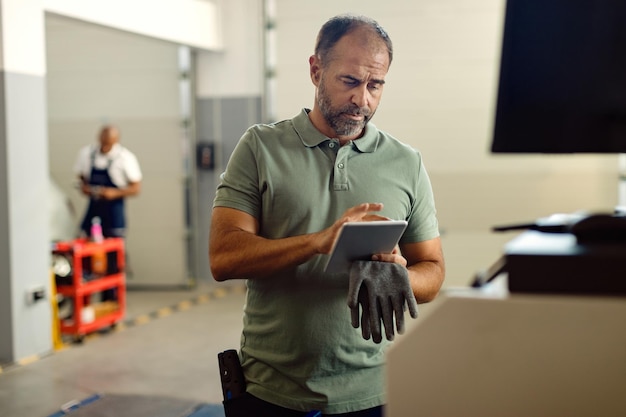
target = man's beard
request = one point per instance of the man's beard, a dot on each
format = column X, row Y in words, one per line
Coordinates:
column 334, row 116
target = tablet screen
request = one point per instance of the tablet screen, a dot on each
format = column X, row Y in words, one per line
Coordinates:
column 360, row 240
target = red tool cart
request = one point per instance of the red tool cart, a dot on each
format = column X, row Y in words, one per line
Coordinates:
column 91, row 268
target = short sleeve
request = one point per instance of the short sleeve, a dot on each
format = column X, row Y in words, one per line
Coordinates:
column 239, row 186
column 423, row 224
column 132, row 170
column 82, row 166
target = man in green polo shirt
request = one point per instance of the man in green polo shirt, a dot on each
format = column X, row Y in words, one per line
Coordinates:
column 286, row 191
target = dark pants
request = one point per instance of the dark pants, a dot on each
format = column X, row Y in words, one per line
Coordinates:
column 250, row 406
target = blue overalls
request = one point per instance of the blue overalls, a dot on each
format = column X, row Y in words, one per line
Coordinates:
column 111, row 212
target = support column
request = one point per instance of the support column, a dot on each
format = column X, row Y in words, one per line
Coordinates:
column 25, row 328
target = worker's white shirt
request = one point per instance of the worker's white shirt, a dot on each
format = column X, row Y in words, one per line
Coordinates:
column 124, row 167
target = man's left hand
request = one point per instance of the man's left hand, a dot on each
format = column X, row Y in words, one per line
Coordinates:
column 394, row 257
column 109, row 193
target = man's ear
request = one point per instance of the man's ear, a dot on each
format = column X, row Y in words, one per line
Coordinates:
column 315, row 69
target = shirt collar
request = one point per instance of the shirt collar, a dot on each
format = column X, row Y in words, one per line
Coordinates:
column 311, row 137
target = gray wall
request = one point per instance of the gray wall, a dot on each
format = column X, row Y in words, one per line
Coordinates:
column 220, row 121
column 24, row 250
column 25, row 329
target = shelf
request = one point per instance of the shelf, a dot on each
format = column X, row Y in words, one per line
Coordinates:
column 82, row 247
column 75, row 328
column 80, row 289
column 95, row 285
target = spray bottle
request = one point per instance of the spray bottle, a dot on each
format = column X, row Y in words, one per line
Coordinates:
column 99, row 257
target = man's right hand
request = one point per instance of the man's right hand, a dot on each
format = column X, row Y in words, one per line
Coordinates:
column 360, row 213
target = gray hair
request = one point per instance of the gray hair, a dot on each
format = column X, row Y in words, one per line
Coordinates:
column 339, row 26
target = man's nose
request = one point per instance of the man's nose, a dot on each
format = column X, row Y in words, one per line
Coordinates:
column 360, row 96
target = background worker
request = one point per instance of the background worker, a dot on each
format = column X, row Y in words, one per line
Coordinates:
column 108, row 174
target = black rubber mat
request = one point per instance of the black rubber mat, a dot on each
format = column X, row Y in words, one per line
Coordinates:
column 112, row 405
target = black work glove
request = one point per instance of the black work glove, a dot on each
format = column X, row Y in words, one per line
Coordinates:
column 382, row 290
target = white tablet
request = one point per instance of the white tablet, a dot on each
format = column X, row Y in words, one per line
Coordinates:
column 360, row 240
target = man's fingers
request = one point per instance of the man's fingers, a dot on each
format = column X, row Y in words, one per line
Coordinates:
column 374, row 217
column 363, row 211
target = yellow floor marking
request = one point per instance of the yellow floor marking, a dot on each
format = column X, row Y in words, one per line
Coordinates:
column 28, row 360
column 143, row 319
column 164, row 312
column 184, row 305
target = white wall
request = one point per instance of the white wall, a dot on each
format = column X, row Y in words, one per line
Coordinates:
column 439, row 97
column 17, row 37
column 237, row 69
column 187, row 22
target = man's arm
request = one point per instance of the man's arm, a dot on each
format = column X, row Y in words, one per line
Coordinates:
column 425, row 263
column 84, row 185
column 426, row 268
column 113, row 193
column 236, row 251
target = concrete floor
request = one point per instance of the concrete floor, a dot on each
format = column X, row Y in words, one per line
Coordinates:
column 173, row 355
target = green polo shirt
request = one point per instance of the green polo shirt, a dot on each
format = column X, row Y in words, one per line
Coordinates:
column 298, row 347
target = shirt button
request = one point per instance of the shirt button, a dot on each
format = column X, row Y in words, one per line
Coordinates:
column 340, row 166
column 331, row 145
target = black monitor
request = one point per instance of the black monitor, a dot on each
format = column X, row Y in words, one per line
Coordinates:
column 562, row 86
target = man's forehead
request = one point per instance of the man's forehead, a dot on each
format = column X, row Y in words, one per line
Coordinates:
column 352, row 51
column 361, row 68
